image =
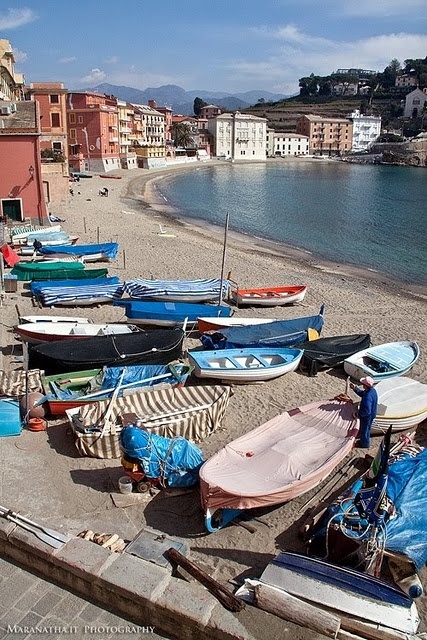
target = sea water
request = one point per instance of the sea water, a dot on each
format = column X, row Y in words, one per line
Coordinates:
column 373, row 217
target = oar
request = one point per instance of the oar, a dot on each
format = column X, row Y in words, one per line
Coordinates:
column 106, row 425
column 49, row 536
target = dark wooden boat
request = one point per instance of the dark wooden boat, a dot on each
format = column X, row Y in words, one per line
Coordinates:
column 331, row 352
column 159, row 346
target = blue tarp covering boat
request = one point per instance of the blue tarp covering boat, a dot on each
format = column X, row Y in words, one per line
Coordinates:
column 172, row 460
column 176, row 290
column 169, row 313
column 280, row 333
column 384, row 510
column 107, row 249
column 37, row 287
column 80, row 295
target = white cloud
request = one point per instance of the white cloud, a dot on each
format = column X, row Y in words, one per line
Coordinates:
column 112, row 60
column 95, row 75
column 300, row 54
column 15, row 18
column 67, row 60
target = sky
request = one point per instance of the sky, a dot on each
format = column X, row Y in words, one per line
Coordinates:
column 225, row 46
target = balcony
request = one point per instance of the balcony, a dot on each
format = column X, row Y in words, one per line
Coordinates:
column 113, row 140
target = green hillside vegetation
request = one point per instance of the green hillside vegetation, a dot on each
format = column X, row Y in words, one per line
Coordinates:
column 377, row 95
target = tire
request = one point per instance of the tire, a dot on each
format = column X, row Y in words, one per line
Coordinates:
column 142, row 487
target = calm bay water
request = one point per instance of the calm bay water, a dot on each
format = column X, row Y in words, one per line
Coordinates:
column 373, row 217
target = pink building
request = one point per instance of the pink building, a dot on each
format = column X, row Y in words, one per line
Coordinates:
column 93, row 131
column 51, row 98
column 21, row 185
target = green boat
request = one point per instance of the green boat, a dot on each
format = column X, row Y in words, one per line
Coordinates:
column 54, row 271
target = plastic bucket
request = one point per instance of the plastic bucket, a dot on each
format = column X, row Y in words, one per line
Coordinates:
column 125, row 484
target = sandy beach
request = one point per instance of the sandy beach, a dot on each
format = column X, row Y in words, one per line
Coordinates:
column 155, row 243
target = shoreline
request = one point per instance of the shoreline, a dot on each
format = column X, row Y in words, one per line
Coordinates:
column 146, row 192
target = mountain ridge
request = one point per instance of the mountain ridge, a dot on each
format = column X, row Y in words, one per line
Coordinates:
column 182, row 101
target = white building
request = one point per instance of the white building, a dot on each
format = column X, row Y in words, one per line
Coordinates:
column 414, row 103
column 290, row 144
column 239, row 136
column 366, row 130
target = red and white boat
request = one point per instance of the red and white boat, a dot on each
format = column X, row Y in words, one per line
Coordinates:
column 206, row 324
column 268, row 296
column 37, row 332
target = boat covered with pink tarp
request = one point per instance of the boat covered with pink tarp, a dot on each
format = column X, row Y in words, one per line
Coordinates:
column 278, row 461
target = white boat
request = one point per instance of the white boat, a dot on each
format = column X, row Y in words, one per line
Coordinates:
column 205, row 323
column 37, row 332
column 268, row 296
column 244, row 365
column 402, row 404
column 52, row 318
column 22, row 232
column 339, row 589
column 383, row 361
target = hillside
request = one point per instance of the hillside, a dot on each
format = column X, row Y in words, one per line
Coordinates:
column 283, row 115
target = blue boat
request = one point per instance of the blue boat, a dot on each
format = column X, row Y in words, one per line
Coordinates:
column 91, row 252
column 280, row 333
column 170, row 314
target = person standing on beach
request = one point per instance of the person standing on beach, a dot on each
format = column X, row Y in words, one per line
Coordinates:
column 367, row 409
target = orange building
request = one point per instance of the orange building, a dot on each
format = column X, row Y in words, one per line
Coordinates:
column 21, row 185
column 93, row 131
column 327, row 136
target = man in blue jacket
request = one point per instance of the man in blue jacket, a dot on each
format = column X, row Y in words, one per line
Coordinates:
column 367, row 409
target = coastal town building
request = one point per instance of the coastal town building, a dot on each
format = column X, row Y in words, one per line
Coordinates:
column 11, row 82
column 406, row 80
column 151, row 146
column 51, row 98
column 239, row 136
column 415, row 102
column 210, row 111
column 290, row 144
column 93, row 126
column 127, row 137
column 366, row 129
column 327, row 136
column 21, row 186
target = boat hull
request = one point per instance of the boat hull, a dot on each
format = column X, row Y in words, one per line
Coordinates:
column 342, row 589
column 383, row 361
column 39, row 332
column 206, row 324
column 244, row 365
column 268, row 296
column 272, row 464
column 159, row 346
column 169, row 314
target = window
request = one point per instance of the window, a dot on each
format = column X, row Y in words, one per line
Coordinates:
column 57, row 146
column 80, row 119
column 54, row 98
column 55, row 119
column 72, row 134
column 72, row 118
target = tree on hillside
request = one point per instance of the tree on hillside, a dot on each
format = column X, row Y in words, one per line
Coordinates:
column 390, row 73
column 198, row 105
column 309, row 86
column 182, row 134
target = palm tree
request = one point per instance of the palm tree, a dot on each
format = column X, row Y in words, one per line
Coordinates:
column 182, row 134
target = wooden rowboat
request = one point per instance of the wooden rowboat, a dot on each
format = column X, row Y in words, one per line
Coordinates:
column 244, row 365
column 268, row 296
column 383, row 361
column 37, row 332
column 206, row 324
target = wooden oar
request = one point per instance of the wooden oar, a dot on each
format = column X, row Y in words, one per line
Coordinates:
column 49, row 536
column 107, row 423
